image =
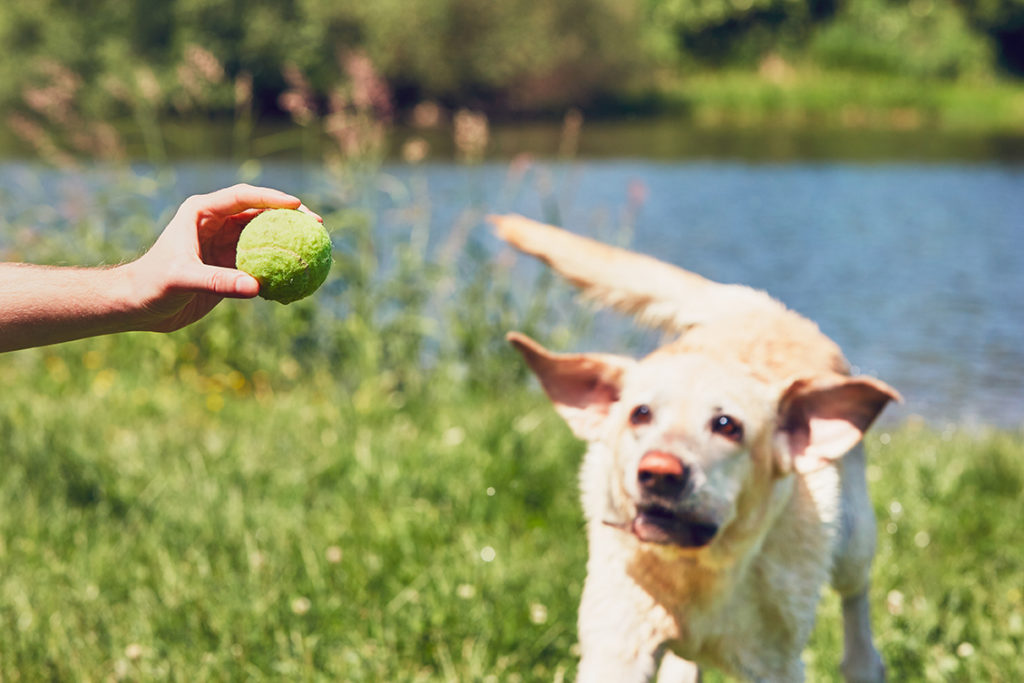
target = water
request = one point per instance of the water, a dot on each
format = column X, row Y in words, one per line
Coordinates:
column 916, row 270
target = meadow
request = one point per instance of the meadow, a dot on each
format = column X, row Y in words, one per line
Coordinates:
column 368, row 486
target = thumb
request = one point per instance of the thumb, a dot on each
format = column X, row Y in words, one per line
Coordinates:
column 226, row 282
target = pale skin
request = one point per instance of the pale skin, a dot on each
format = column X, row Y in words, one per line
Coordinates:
column 187, row 271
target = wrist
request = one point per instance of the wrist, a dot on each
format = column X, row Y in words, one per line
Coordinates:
column 124, row 301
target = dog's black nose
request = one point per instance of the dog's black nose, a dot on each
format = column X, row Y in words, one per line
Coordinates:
column 662, row 474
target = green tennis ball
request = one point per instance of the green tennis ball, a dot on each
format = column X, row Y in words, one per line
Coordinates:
column 288, row 251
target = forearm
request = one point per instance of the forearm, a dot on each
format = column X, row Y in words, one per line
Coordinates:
column 42, row 305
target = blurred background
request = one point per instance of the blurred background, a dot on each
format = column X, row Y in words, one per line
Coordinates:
column 367, row 485
column 859, row 159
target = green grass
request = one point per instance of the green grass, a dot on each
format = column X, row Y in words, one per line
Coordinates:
column 167, row 523
column 801, row 97
column 164, row 522
column 367, row 486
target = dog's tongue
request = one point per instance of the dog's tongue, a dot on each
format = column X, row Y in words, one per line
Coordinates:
column 667, row 530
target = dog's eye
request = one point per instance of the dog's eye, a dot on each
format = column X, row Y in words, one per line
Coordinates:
column 727, row 426
column 641, row 415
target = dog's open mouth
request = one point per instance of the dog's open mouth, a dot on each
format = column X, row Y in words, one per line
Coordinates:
column 656, row 524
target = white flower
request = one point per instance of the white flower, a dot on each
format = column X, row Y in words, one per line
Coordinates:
column 894, row 601
column 538, row 613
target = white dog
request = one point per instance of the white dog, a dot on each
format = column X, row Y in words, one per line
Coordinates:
column 720, row 489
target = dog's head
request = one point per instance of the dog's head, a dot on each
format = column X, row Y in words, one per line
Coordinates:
column 693, row 444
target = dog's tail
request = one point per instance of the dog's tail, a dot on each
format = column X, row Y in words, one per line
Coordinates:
column 654, row 292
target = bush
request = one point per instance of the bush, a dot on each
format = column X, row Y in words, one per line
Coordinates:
column 520, row 53
column 920, row 39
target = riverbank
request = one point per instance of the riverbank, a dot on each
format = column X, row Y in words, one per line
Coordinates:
column 778, row 113
column 781, row 95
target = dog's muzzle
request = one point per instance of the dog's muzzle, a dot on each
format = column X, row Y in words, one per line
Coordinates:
column 663, row 481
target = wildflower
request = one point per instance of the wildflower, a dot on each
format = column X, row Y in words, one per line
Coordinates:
column 415, row 150
column 257, row 560
column 34, row 134
column 298, row 99
column 370, row 93
column 571, row 126
column 454, row 436
column 471, row 134
column 426, row 115
column 203, row 62
column 774, row 69
column 538, row 613
column 147, row 84
column 106, row 142
column 894, row 602
column 103, row 382
column 243, row 90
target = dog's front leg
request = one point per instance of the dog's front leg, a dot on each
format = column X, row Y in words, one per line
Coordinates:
column 675, row 669
column 621, row 631
column 861, row 661
column 604, row 667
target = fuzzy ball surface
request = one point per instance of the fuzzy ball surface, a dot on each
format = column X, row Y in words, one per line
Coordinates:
column 288, row 251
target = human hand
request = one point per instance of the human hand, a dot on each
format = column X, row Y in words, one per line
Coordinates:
column 191, row 266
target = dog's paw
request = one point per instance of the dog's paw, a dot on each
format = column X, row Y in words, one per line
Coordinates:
column 867, row 669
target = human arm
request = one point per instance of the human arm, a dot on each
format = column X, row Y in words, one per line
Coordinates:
column 187, row 271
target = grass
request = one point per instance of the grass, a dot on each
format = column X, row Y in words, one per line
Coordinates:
column 801, row 97
column 168, row 522
column 368, row 487
column 184, row 527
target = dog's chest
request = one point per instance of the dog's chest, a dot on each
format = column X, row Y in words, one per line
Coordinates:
column 755, row 614
column 746, row 628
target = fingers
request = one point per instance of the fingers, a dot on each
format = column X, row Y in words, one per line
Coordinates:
column 226, row 282
column 247, row 215
column 239, row 198
column 304, row 209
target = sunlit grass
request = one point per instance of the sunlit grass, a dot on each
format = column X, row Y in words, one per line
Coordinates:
column 300, row 529
column 800, row 97
column 166, row 523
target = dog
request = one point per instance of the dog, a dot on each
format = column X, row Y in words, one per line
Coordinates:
column 724, row 481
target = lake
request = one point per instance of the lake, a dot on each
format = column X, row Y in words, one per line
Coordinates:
column 916, row 269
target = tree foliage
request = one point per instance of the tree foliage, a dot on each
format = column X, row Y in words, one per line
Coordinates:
column 515, row 55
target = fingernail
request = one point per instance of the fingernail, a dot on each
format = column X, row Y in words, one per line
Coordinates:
column 246, row 284
column 305, row 209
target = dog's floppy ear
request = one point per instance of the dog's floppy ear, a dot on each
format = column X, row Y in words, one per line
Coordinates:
column 582, row 386
column 821, row 419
